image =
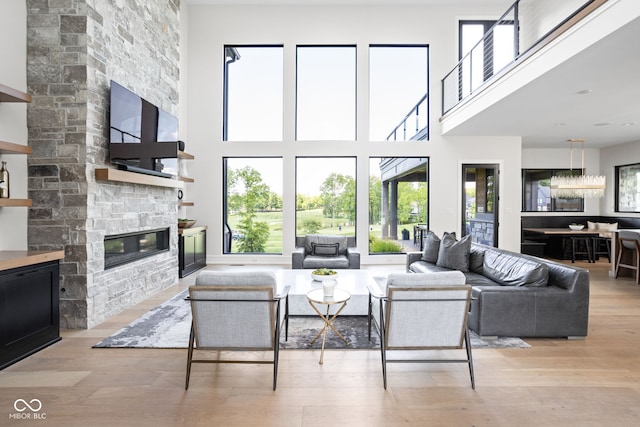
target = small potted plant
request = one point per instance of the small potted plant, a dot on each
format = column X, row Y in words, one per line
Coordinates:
column 322, row 274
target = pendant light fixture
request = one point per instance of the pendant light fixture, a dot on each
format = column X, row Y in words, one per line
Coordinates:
column 581, row 186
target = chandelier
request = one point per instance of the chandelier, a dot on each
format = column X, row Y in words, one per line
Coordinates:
column 581, row 186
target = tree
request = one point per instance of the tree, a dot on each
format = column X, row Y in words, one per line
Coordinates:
column 338, row 196
column 375, row 200
column 247, row 193
column 311, row 226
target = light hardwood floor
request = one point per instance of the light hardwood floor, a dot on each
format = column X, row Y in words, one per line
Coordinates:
column 592, row 382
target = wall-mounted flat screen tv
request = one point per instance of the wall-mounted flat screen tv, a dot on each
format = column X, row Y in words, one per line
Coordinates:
column 143, row 137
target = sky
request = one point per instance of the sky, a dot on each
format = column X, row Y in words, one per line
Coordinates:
column 325, row 91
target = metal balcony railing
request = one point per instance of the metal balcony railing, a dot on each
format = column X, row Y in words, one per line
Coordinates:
column 415, row 125
column 524, row 28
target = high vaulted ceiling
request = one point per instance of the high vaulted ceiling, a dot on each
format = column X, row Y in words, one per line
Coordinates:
column 505, row 3
column 595, row 95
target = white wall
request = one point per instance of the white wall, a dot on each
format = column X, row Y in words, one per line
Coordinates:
column 610, row 157
column 13, row 120
column 210, row 28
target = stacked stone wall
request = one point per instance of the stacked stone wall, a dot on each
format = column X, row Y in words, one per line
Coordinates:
column 75, row 48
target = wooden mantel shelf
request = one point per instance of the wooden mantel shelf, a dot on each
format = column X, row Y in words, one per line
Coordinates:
column 11, row 148
column 8, row 94
column 109, row 174
column 15, row 202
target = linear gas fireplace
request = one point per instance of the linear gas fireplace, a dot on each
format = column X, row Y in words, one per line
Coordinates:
column 124, row 248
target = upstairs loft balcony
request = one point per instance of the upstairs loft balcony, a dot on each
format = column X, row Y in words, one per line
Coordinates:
column 524, row 29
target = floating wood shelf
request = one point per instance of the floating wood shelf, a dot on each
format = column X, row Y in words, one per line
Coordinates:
column 8, row 94
column 186, row 179
column 15, row 202
column 186, row 204
column 11, row 148
column 185, row 156
column 108, row 174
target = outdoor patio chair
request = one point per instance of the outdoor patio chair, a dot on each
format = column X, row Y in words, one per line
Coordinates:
column 236, row 311
column 422, row 311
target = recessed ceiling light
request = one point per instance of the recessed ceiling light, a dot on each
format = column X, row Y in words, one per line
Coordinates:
column 559, row 124
column 584, row 92
column 602, row 124
column 628, row 124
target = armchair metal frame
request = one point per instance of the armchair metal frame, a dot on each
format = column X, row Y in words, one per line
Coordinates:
column 205, row 325
column 391, row 306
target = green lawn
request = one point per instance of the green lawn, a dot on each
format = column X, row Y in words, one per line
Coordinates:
column 331, row 226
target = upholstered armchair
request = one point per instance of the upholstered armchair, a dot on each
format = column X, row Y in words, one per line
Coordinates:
column 319, row 251
column 236, row 311
column 422, row 311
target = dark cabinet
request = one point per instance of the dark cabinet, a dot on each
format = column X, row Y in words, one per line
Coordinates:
column 29, row 310
column 192, row 248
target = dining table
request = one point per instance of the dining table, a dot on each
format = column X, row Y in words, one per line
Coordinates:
column 555, row 237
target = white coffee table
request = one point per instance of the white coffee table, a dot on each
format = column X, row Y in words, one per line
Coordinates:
column 353, row 281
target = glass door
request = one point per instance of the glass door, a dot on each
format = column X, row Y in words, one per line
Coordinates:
column 480, row 202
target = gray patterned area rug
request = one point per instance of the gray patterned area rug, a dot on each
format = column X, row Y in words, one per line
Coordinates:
column 168, row 326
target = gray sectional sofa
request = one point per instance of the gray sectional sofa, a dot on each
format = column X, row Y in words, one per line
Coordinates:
column 514, row 294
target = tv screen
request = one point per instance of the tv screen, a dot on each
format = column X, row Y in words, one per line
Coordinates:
column 126, row 115
column 143, row 137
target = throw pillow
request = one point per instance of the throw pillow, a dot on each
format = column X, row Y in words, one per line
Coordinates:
column 431, row 247
column 454, row 253
column 606, row 228
column 325, row 249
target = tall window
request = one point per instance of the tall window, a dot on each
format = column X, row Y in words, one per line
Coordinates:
column 536, row 192
column 326, row 93
column 398, row 85
column 253, row 205
column 253, row 93
column 326, row 195
column 398, row 208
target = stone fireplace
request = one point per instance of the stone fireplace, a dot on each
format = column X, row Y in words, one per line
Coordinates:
column 74, row 49
column 122, row 249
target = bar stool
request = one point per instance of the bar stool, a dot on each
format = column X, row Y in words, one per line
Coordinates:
column 628, row 242
column 601, row 246
column 581, row 245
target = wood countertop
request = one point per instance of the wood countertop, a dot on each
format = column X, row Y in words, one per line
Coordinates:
column 15, row 259
column 192, row 230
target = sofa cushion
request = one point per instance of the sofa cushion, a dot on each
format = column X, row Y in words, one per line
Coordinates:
column 431, row 244
column 514, row 269
column 454, row 253
column 426, row 267
column 334, row 262
column 322, row 239
column 475, row 279
column 325, row 249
